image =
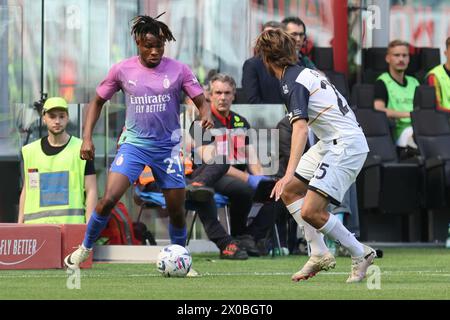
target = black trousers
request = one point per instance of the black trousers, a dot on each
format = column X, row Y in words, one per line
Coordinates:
column 270, row 214
column 210, row 174
column 207, row 212
column 240, row 195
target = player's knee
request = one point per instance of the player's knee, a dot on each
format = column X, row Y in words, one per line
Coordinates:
column 175, row 205
column 291, row 193
column 105, row 205
column 308, row 213
column 288, row 197
column 176, row 209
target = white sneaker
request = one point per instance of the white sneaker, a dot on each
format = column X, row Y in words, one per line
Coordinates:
column 192, row 274
column 360, row 265
column 73, row 260
column 314, row 265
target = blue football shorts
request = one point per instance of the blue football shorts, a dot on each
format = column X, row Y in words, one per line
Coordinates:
column 165, row 162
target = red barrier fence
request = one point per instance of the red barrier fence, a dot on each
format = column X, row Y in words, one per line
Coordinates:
column 40, row 246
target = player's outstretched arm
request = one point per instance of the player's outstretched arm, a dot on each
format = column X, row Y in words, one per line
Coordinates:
column 87, row 151
column 298, row 141
column 205, row 111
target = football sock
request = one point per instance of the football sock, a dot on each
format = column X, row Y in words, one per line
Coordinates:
column 312, row 236
column 331, row 244
column 335, row 230
column 178, row 235
column 95, row 226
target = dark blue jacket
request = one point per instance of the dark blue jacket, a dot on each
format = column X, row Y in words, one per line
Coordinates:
column 261, row 87
column 258, row 85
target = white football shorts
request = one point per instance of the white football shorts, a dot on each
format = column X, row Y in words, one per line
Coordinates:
column 331, row 167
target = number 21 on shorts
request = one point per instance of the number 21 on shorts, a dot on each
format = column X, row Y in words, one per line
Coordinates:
column 170, row 162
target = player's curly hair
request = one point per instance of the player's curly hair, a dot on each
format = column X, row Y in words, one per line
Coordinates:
column 142, row 24
column 276, row 47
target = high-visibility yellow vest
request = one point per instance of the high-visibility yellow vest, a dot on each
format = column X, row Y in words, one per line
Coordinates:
column 54, row 185
column 400, row 99
column 444, row 84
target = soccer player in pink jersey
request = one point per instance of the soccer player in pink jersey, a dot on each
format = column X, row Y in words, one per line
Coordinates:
column 152, row 86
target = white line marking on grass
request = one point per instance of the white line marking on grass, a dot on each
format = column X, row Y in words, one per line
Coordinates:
column 94, row 274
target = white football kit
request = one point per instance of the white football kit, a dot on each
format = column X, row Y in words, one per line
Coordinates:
column 332, row 164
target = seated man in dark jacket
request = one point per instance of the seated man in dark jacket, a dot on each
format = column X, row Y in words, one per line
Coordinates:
column 228, row 143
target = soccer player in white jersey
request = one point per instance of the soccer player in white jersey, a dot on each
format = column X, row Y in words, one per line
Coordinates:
column 325, row 172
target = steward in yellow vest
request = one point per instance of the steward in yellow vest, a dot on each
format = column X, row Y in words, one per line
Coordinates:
column 439, row 77
column 58, row 186
column 441, row 81
column 400, row 98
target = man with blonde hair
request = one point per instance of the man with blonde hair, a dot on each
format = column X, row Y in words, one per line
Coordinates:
column 394, row 93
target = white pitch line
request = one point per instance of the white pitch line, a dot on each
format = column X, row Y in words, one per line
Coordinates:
column 93, row 274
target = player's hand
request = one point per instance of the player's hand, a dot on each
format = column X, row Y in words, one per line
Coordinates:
column 207, row 121
column 87, row 151
column 278, row 189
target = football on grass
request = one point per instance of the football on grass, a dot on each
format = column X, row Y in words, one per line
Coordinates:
column 174, row 261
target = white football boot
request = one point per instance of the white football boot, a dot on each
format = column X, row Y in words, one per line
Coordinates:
column 314, row 265
column 73, row 260
column 360, row 265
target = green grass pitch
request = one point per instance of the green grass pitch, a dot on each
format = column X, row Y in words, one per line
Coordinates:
column 405, row 274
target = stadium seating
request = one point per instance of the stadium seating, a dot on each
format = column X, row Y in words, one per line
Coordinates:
column 414, row 65
column 432, row 135
column 323, row 59
column 421, row 60
column 428, row 59
column 339, row 80
column 362, row 96
column 373, row 63
column 384, row 182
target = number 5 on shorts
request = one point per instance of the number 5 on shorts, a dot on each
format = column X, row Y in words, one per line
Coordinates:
column 323, row 167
